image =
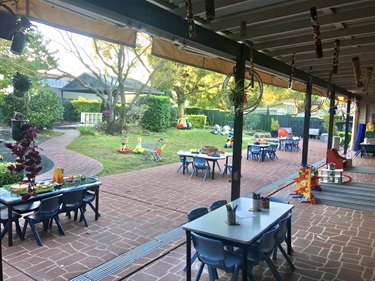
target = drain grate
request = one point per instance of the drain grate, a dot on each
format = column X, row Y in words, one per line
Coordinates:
column 127, row 258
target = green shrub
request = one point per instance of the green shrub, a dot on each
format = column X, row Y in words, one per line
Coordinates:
column 86, row 131
column 193, row 111
column 70, row 113
column 157, row 117
column 45, row 110
column 9, row 178
column 173, row 117
column 84, row 105
column 197, row 121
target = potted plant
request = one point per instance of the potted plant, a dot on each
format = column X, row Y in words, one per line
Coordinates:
column 21, row 84
column 27, row 155
column 275, row 125
column 21, row 36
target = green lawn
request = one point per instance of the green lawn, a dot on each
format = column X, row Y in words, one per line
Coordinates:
column 103, row 148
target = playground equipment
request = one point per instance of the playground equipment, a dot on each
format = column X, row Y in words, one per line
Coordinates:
column 156, row 153
column 229, row 143
column 307, row 180
column 184, row 123
column 124, row 146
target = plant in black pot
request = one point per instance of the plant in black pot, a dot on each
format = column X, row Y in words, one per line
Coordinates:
column 21, row 84
column 22, row 35
column 27, row 155
column 275, row 125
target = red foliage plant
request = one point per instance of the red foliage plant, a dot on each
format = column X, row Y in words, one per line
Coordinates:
column 28, row 158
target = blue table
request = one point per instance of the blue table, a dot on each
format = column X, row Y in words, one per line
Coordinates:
column 10, row 200
column 242, row 235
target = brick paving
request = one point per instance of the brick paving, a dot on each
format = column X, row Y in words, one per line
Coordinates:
column 330, row 243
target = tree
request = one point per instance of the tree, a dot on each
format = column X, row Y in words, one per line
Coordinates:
column 111, row 64
column 35, row 61
column 183, row 82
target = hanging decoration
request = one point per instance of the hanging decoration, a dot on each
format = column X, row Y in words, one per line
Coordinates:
column 292, row 71
column 357, row 72
column 329, row 84
column 251, row 67
column 210, row 10
column 316, row 31
column 368, row 77
column 190, row 19
column 336, row 52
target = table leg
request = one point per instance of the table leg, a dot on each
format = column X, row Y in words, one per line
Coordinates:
column 10, row 226
column 97, row 203
column 183, row 164
column 244, row 262
column 213, row 169
column 188, row 255
column 289, row 238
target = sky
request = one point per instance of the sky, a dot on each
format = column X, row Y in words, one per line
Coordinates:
column 67, row 60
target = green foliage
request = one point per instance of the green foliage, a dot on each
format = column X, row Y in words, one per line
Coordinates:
column 197, row 121
column 173, row 119
column 9, row 104
column 193, row 110
column 45, row 110
column 9, row 178
column 275, row 125
column 251, row 121
column 326, row 123
column 70, row 114
column 86, row 131
column 157, row 117
column 84, row 105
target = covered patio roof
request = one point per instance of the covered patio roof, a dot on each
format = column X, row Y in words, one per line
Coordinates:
column 272, row 31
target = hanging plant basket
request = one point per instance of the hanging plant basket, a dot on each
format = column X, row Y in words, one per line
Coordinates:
column 17, row 129
column 21, row 84
column 18, row 42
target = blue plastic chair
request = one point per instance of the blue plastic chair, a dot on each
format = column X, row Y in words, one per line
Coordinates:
column 271, row 151
column 49, row 209
column 72, row 201
column 192, row 215
column 281, row 237
column 227, row 168
column 187, row 163
column 4, row 222
column 262, row 251
column 211, row 252
column 217, row 204
column 200, row 164
column 289, row 144
column 27, row 207
column 296, row 145
column 254, row 153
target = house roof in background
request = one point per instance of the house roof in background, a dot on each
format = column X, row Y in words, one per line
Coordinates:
column 130, row 85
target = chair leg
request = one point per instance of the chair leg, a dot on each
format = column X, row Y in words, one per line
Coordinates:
column 82, row 216
column 199, row 273
column 235, row 273
column 36, row 235
column 250, row 274
column 179, row 168
column 291, row 265
column 5, row 230
column 193, row 258
column 57, row 220
column 18, row 228
column 273, row 269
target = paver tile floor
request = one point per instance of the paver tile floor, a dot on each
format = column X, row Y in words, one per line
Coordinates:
column 138, row 236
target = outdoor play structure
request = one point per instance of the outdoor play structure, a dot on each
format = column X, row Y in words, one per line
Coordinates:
column 307, row 180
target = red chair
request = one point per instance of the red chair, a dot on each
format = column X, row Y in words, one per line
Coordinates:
column 334, row 157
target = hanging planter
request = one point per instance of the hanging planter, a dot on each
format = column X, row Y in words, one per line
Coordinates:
column 18, row 42
column 17, row 131
column 21, row 84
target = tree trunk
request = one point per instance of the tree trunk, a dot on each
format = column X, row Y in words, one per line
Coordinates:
column 181, row 110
